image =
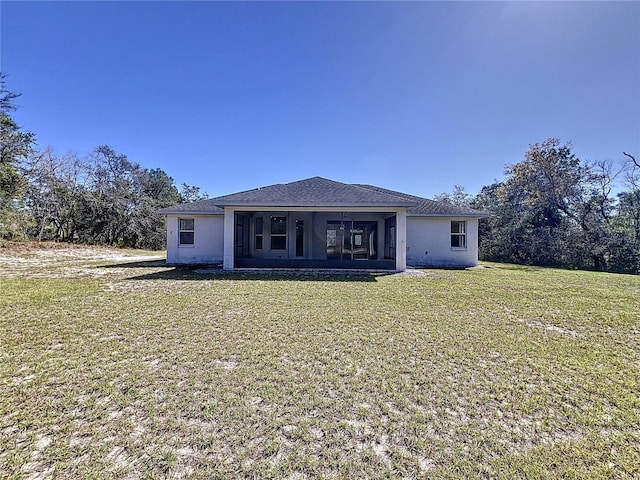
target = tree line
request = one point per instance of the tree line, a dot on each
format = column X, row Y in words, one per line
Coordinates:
column 101, row 198
column 551, row 208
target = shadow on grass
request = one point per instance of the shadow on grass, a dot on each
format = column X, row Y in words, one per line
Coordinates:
column 139, row 264
column 515, row 267
column 208, row 272
column 543, row 269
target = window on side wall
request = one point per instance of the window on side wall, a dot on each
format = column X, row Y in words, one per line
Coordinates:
column 186, row 232
column 278, row 233
column 458, row 234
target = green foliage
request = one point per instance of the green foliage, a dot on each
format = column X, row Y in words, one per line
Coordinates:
column 552, row 209
column 16, row 222
column 11, row 182
column 191, row 193
column 15, row 145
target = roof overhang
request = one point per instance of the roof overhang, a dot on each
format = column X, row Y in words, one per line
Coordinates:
column 320, row 194
column 191, row 212
column 311, row 206
column 449, row 215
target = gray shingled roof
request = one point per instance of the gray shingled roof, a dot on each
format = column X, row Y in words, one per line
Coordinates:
column 425, row 207
column 431, row 208
column 207, row 206
column 312, row 192
column 318, row 191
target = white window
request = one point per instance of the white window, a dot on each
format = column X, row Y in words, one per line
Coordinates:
column 458, row 234
column 186, row 233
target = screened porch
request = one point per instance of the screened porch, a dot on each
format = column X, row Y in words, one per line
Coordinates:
column 312, row 239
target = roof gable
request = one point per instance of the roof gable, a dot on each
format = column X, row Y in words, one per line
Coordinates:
column 312, row 192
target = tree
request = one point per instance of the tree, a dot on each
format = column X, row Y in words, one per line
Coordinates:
column 543, row 193
column 53, row 193
column 110, row 198
column 15, row 145
column 118, row 203
column 553, row 209
column 625, row 226
column 103, row 199
column 458, row 197
column 630, row 201
column 191, row 193
column 147, row 229
column 537, row 207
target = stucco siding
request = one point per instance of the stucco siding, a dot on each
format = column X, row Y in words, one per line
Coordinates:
column 208, row 243
column 429, row 243
column 428, row 239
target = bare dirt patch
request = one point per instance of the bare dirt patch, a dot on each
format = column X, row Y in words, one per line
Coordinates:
column 548, row 326
column 56, row 260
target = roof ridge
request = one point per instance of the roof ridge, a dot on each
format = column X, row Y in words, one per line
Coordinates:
column 370, row 188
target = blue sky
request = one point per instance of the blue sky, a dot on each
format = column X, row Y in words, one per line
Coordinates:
column 417, row 97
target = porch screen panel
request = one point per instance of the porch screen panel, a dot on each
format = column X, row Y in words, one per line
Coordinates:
column 278, row 233
column 335, row 235
column 242, row 236
column 259, row 234
column 390, row 238
column 299, row 238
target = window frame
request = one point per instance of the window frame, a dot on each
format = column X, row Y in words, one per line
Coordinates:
column 191, row 230
column 273, row 236
column 460, row 233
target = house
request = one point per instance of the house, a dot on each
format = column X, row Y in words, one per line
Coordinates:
column 321, row 223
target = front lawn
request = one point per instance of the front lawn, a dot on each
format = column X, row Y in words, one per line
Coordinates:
column 125, row 368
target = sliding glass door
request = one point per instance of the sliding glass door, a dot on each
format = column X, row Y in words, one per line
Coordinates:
column 352, row 240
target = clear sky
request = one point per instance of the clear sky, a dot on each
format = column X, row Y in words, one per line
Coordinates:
column 415, row 96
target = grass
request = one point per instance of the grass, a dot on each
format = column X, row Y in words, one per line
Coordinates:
column 135, row 370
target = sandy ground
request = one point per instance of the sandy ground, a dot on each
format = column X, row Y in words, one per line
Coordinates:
column 54, row 260
column 63, row 260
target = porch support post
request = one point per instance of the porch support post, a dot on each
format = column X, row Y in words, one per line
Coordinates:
column 401, row 240
column 229, row 237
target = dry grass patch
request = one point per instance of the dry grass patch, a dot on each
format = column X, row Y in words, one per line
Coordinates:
column 163, row 373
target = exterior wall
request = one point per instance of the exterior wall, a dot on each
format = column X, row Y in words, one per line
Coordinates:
column 228, row 238
column 401, row 241
column 429, row 243
column 428, row 239
column 207, row 244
